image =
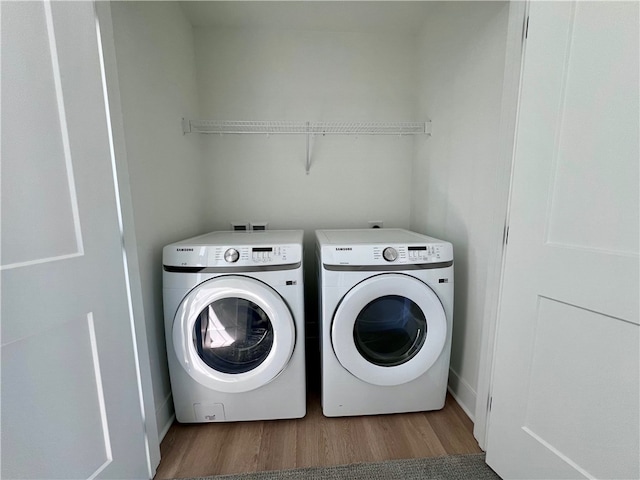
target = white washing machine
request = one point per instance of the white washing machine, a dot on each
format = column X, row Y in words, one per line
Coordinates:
column 386, row 307
column 234, row 323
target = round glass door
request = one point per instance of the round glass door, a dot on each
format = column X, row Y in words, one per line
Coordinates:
column 233, row 334
column 389, row 329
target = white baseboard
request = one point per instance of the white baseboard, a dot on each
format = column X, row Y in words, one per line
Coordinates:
column 463, row 393
column 165, row 416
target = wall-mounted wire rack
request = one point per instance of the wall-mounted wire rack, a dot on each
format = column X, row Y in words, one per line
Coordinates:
column 309, row 129
column 314, row 128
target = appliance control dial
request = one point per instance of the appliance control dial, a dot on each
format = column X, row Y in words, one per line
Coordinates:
column 231, row 255
column 390, row 254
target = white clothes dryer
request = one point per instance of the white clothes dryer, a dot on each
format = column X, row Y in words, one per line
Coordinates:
column 234, row 324
column 386, row 311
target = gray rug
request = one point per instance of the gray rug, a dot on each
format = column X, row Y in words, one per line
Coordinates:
column 454, row 467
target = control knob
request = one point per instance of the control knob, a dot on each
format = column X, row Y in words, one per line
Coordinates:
column 390, row 254
column 231, row 255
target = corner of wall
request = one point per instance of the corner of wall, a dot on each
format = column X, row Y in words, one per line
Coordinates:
column 463, row 393
column 165, row 416
column 461, row 68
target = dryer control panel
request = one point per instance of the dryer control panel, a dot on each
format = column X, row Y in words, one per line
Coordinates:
column 412, row 254
column 381, row 248
column 371, row 255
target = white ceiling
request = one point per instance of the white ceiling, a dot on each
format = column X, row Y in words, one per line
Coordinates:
column 348, row 16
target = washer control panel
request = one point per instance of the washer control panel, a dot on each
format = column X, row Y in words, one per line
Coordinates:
column 232, row 255
column 250, row 255
column 232, row 251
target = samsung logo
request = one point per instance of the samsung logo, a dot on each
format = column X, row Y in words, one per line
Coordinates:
column 344, row 249
column 184, row 249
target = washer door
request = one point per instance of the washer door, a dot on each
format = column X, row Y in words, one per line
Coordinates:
column 389, row 329
column 233, row 334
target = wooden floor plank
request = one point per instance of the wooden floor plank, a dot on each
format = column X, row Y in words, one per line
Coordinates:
column 454, row 434
column 278, row 446
column 222, row 448
column 312, row 448
column 239, row 453
column 175, row 446
column 423, row 439
column 387, row 438
column 207, row 450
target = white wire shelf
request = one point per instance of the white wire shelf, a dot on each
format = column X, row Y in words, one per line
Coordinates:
column 310, row 129
column 306, row 128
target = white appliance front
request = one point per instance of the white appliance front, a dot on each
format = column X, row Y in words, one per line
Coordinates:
column 233, row 334
column 389, row 329
column 234, row 326
column 386, row 309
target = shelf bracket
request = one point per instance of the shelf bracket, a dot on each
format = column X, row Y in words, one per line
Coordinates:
column 308, row 164
column 186, row 126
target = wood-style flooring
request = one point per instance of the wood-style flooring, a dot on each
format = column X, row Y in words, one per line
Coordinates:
column 222, row 448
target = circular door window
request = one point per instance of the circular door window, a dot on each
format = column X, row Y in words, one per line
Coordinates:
column 389, row 329
column 233, row 334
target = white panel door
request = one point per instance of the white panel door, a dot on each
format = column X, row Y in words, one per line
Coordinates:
column 565, row 397
column 71, row 394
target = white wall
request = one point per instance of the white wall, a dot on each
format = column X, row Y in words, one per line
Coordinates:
column 454, row 190
column 306, row 75
column 156, row 69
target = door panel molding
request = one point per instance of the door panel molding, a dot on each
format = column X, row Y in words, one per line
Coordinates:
column 557, row 452
column 38, row 393
column 608, row 229
column 101, row 400
column 23, row 242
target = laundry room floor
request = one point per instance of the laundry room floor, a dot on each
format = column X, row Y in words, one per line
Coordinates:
column 194, row 450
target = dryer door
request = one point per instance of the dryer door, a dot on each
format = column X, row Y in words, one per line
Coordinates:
column 233, row 334
column 389, row 329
